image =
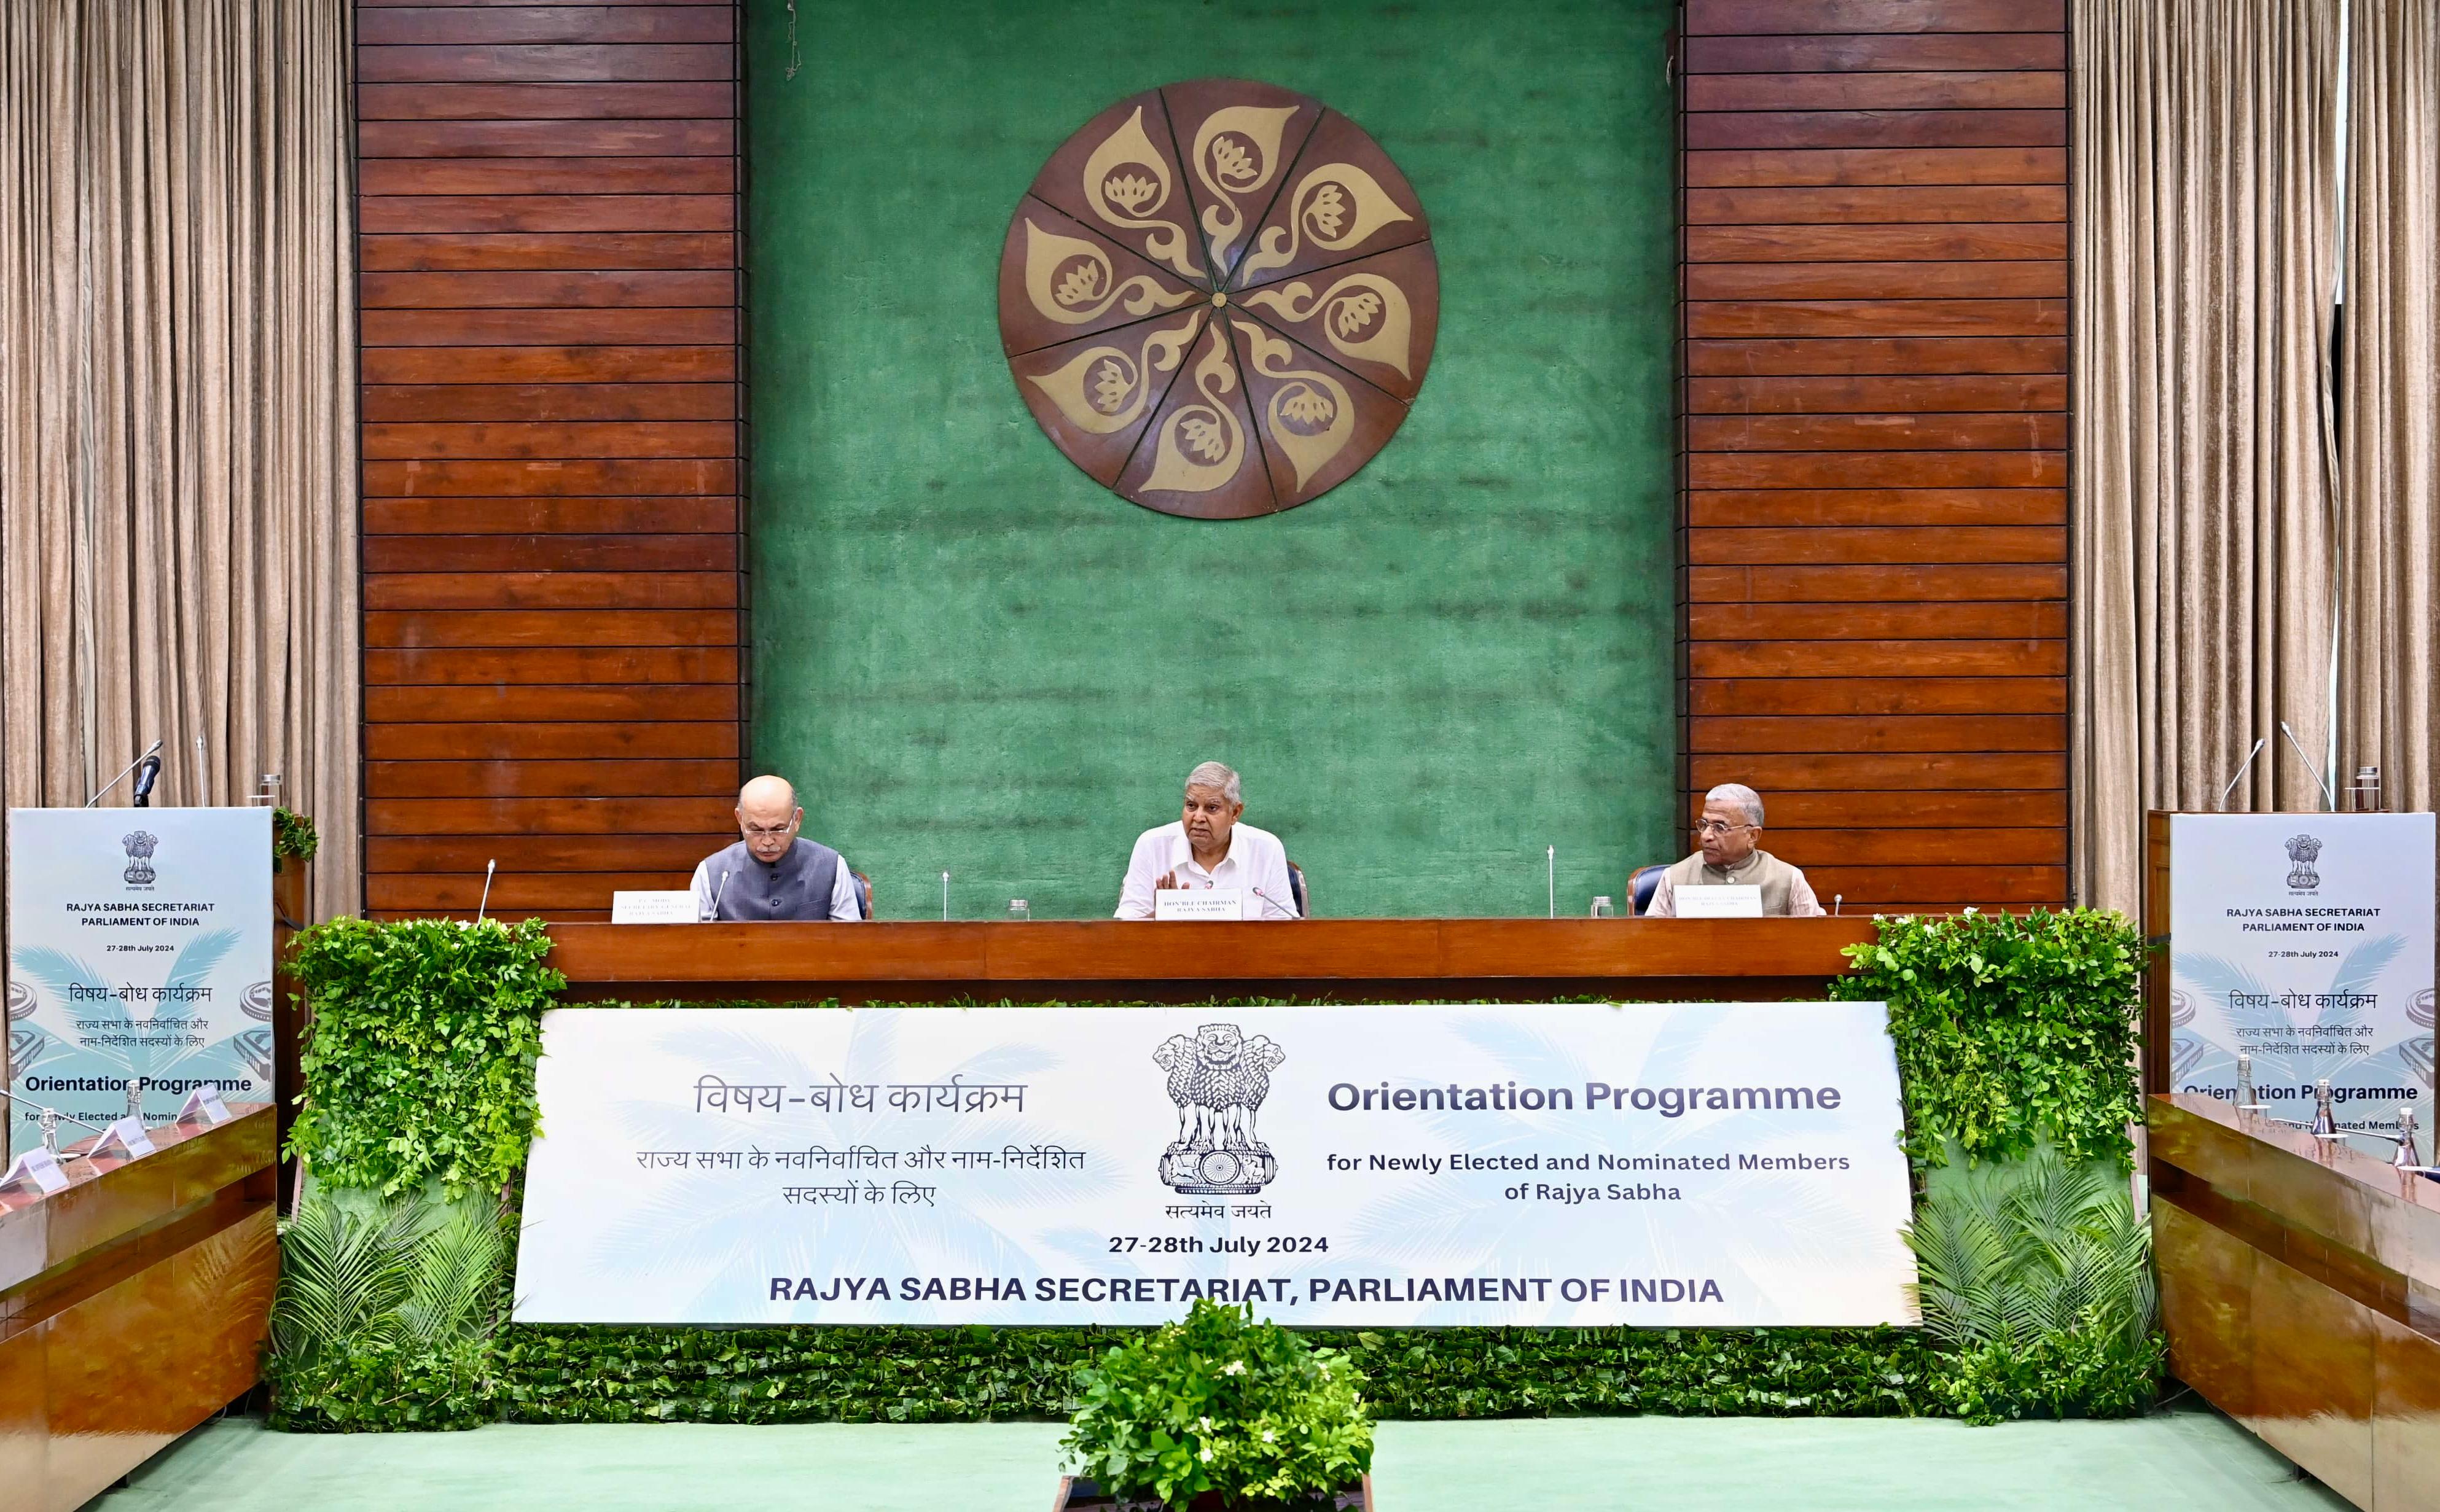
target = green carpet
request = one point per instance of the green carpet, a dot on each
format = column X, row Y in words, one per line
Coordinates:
column 2185, row 1459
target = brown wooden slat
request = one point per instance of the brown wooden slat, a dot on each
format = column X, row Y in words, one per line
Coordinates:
column 576, row 590
column 548, row 816
column 1871, row 469
column 564, row 896
column 481, row 251
column 1886, row 432
column 547, row 175
column 1830, row 544
column 1734, row 319
column 698, row 552
column 1943, row 585
column 1787, row 168
column 545, row 626
column 577, row 516
column 544, row 327
column 1781, row 129
column 550, row 364
column 1876, row 281
column 426, row 4
column 1927, row 732
column 1875, row 92
column 548, row 63
column 548, row 212
column 1763, row 17
column 1874, row 846
column 1873, row 507
column 1925, row 809
column 1982, row 203
column 553, row 664
column 548, row 742
column 545, row 23
column 1833, row 357
column 1902, row 774
column 2024, row 241
column 1877, row 695
column 624, row 477
column 2024, row 656
column 623, row 289
column 1863, row 395
column 546, row 138
column 546, row 101
column 1934, row 52
column 1984, row 621
column 553, row 705
column 548, row 780
column 1866, row 887
column 563, row 402
column 554, row 438
column 544, row 853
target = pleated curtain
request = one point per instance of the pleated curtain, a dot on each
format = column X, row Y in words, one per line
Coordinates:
column 2389, row 401
column 177, row 405
column 2204, row 156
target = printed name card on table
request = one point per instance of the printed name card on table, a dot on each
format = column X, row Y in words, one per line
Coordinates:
column 1726, row 900
column 203, row 1106
column 652, row 908
column 124, row 1140
column 37, row 1170
column 1199, row 902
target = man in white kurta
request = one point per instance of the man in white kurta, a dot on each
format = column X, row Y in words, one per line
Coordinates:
column 1206, row 846
column 1731, row 835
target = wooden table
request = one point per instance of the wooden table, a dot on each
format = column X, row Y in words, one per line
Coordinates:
column 1111, row 960
column 133, row 1306
column 2300, row 1285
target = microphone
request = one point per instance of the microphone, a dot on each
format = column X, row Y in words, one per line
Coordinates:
column 148, row 771
column 717, row 894
column 151, row 754
column 1838, row 901
column 1275, row 902
column 488, row 868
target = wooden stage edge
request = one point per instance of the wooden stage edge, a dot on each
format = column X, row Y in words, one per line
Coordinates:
column 1370, row 960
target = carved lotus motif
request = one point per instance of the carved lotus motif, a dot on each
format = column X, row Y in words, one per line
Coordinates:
column 1219, row 299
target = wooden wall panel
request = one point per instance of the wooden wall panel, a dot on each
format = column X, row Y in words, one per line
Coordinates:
column 553, row 443
column 1876, row 407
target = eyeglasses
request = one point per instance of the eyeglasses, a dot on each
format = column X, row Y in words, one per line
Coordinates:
column 1718, row 826
column 770, row 831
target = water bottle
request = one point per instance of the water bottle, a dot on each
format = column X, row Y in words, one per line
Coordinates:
column 1017, row 912
column 1602, row 908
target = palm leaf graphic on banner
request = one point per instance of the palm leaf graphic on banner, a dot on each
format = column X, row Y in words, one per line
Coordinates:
column 76, row 987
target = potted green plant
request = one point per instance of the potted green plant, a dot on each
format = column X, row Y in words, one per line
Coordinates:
column 1219, row 1409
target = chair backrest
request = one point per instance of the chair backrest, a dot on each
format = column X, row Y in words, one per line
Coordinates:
column 1642, row 883
column 863, row 892
column 1296, row 886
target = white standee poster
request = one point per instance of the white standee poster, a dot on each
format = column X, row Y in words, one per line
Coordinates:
column 139, row 946
column 1574, row 1163
column 2305, row 940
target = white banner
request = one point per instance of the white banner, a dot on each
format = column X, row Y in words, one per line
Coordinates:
column 2306, row 940
column 1574, row 1163
column 139, row 946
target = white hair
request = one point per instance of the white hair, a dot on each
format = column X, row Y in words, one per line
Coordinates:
column 1737, row 795
column 1214, row 774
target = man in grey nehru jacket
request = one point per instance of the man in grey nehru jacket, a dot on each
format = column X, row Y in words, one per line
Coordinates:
column 773, row 872
column 1731, row 833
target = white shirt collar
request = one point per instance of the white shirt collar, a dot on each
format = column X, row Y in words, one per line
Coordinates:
column 1182, row 854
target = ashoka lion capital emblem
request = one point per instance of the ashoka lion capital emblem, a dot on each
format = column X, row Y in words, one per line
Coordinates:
column 2304, row 850
column 139, row 858
column 1218, row 1079
column 1218, row 299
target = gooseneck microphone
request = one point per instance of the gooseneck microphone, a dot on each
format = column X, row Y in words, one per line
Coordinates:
column 151, row 754
column 148, row 771
column 717, row 894
column 485, row 901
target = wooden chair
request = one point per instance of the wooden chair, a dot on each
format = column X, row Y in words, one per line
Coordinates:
column 863, row 892
column 1296, row 888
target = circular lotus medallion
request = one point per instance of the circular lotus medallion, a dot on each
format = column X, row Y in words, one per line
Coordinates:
column 1219, row 299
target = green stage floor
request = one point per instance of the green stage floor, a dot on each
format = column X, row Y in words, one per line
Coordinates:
column 2182, row 1459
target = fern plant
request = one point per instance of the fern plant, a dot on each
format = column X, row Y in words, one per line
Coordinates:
column 2037, row 1272
column 386, row 1312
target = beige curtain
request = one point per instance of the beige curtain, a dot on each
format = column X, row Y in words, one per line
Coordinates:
column 2204, row 153
column 2389, row 414
column 177, row 405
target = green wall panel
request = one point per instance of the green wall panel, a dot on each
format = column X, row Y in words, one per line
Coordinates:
column 974, row 659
